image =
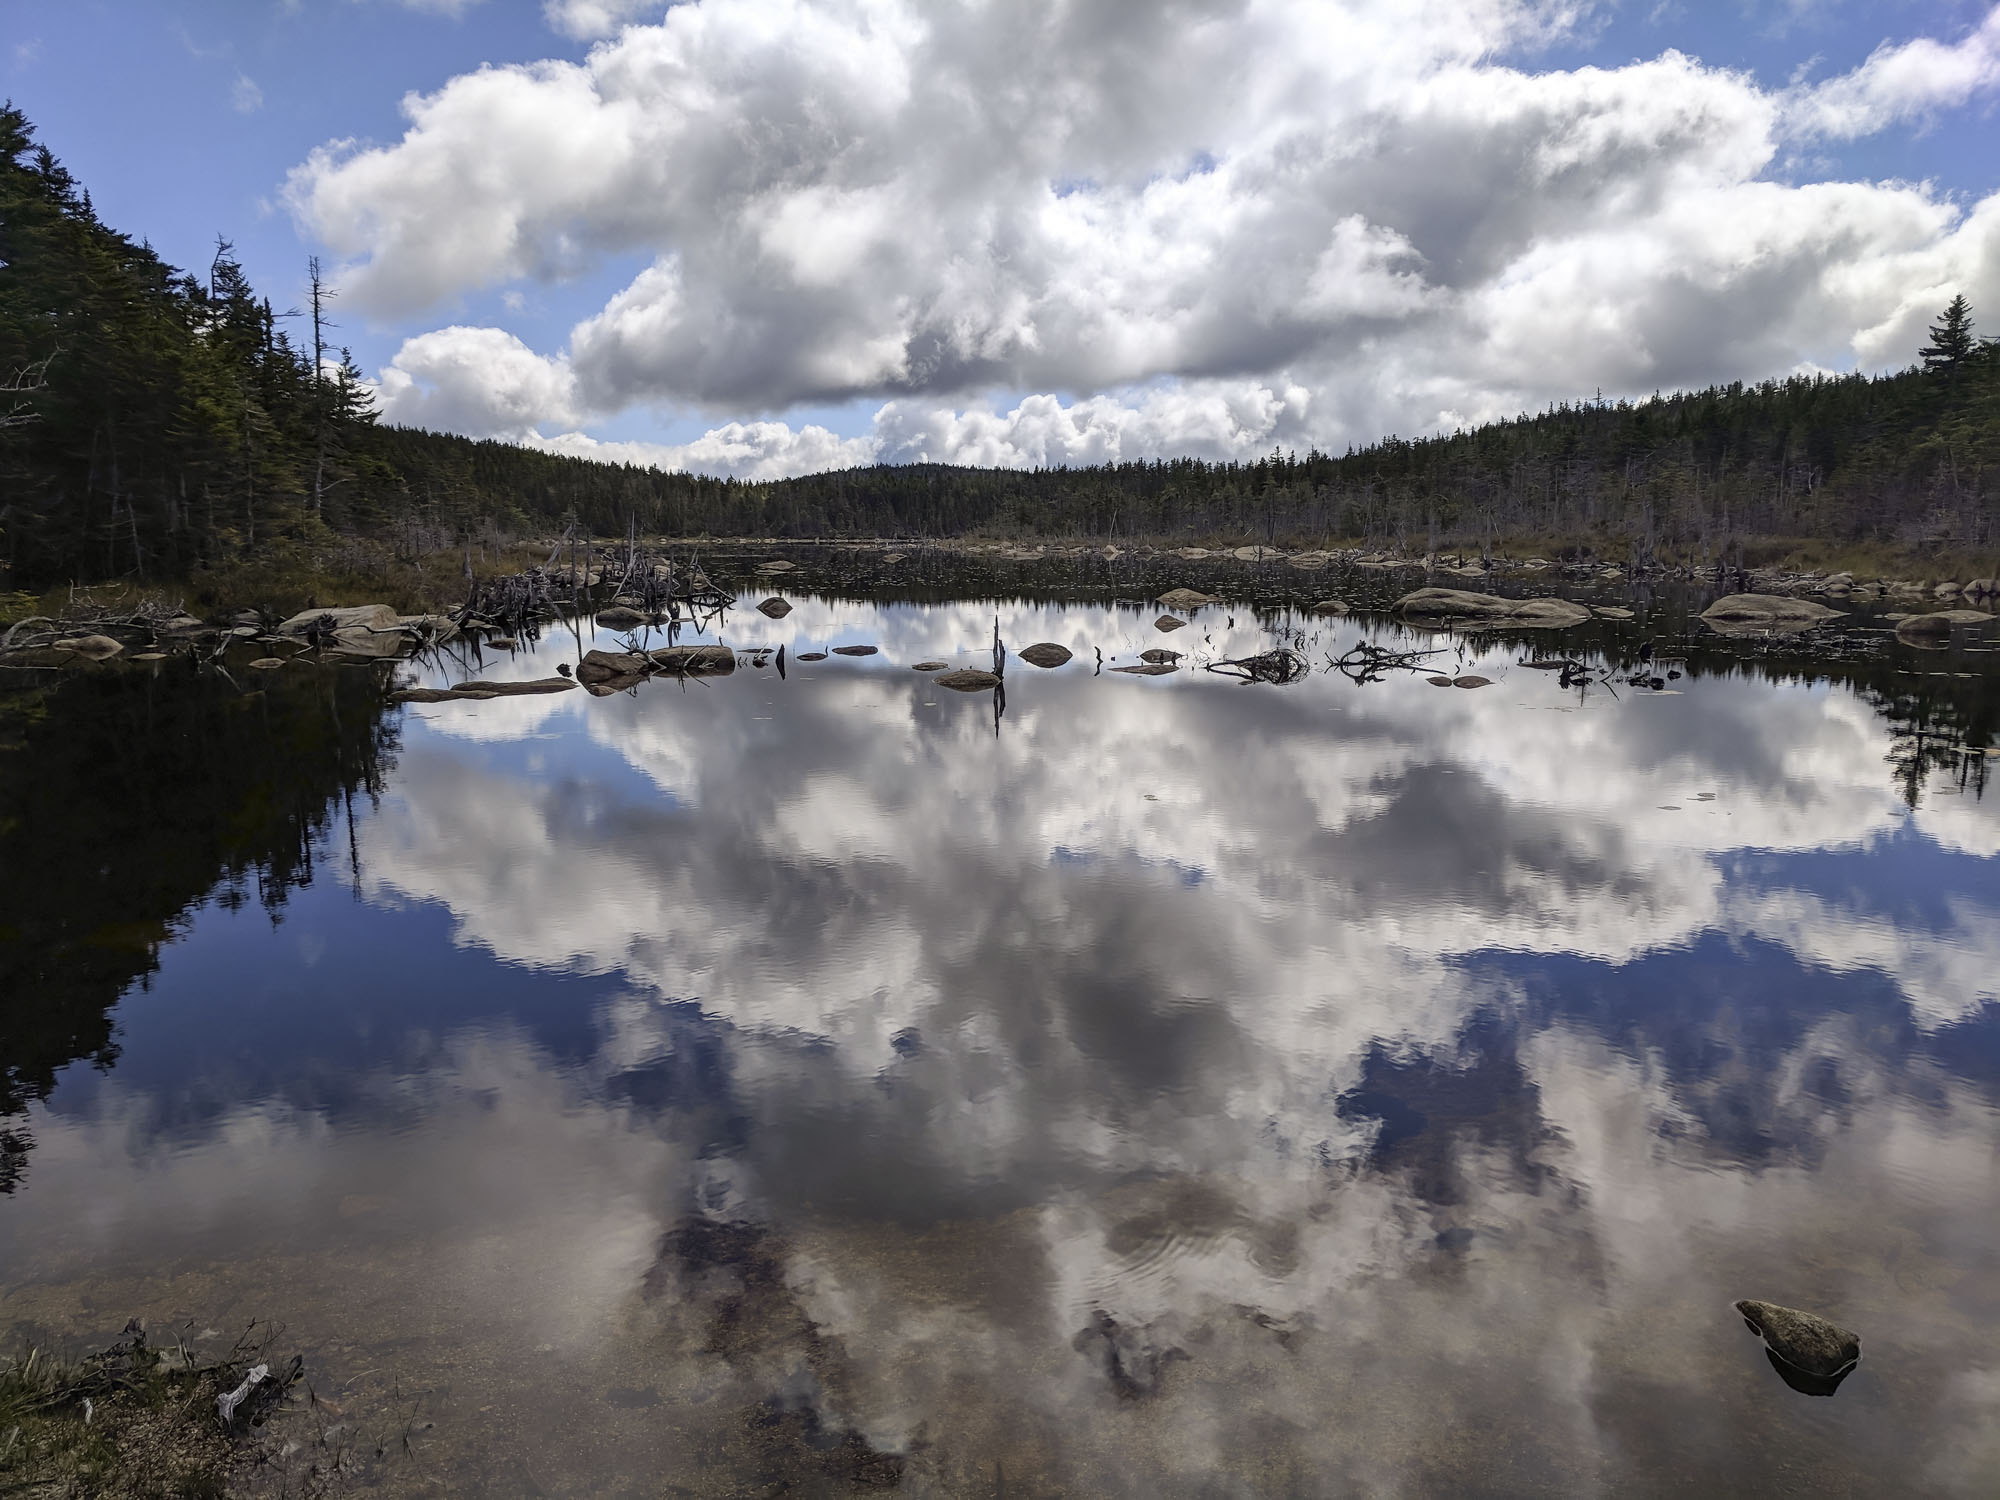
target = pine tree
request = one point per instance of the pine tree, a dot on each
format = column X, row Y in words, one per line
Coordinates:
column 1951, row 342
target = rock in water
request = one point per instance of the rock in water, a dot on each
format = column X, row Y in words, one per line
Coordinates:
column 1158, row 655
column 1466, row 607
column 618, row 617
column 1168, row 622
column 967, row 680
column 1045, row 654
column 1185, row 599
column 775, row 607
column 777, row 565
column 1937, row 627
column 924, row 666
column 855, row 650
column 1330, row 607
column 696, row 661
column 1803, row 1340
column 91, row 647
column 602, row 666
column 268, row 663
column 359, row 617
column 1767, row 611
column 810, row 656
column 515, row 689
column 1471, row 681
column 1150, row 669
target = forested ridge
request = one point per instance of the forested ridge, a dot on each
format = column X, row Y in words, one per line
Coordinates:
column 155, row 423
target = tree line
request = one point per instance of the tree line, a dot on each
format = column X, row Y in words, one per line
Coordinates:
column 156, row 422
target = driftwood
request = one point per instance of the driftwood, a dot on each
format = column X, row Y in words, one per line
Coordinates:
column 1282, row 665
column 1365, row 662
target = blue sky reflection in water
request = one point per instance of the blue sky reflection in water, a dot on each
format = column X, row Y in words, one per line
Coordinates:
column 1186, row 1089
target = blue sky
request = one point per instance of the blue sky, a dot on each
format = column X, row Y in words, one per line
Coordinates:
column 897, row 278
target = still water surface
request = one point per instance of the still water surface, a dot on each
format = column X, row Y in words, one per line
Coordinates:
column 1146, row 1086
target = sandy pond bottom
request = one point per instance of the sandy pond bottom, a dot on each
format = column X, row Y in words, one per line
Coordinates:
column 1128, row 1086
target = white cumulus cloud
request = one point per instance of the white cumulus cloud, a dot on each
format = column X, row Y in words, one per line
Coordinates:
column 1208, row 226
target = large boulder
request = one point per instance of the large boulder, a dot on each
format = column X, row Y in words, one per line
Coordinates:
column 1803, row 1340
column 1464, row 606
column 1936, row 628
column 90, row 647
column 696, row 661
column 603, row 666
column 1185, row 599
column 1045, row 654
column 967, row 680
column 377, row 617
column 375, row 645
column 1767, row 612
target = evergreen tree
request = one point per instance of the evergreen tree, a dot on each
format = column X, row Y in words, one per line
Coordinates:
column 1951, row 345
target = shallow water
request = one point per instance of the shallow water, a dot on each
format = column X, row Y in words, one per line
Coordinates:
column 1122, row 1086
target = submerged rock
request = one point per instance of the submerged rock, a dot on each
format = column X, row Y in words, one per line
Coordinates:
column 1168, row 622
column 1803, row 1340
column 602, row 666
column 1937, row 627
column 923, row 666
column 698, row 661
column 775, row 607
column 855, row 650
column 1611, row 612
column 268, row 663
column 777, row 565
column 967, row 680
column 1767, row 612
column 1045, row 654
column 1186, row 599
column 517, row 689
column 1466, row 606
column 91, row 647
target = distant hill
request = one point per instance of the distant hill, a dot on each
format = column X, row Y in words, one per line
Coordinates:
column 154, row 423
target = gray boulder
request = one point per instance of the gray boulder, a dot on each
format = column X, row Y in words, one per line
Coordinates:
column 967, row 680
column 356, row 617
column 1045, row 654
column 1465, row 607
column 696, row 661
column 1803, row 1340
column 1767, row 612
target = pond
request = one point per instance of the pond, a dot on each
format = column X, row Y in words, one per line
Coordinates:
column 829, row 1082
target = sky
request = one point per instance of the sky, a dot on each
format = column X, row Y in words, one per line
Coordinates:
column 766, row 237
